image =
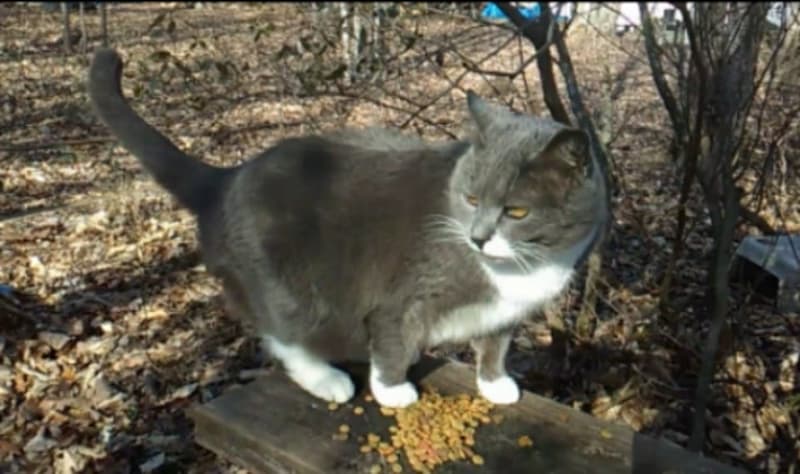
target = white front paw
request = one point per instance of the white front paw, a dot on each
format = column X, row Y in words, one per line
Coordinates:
column 394, row 396
column 500, row 391
column 329, row 384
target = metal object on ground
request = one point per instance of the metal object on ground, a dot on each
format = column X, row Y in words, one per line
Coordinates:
column 773, row 264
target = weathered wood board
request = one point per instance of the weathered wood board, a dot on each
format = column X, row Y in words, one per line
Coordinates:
column 271, row 426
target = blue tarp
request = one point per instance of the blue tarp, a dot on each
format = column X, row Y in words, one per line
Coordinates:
column 491, row 12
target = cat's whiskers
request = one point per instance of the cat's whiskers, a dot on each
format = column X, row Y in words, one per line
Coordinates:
column 444, row 234
column 528, row 251
column 521, row 263
column 534, row 258
column 446, row 240
column 445, row 229
column 521, row 257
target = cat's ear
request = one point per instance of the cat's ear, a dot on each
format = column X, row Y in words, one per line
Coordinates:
column 479, row 109
column 571, row 146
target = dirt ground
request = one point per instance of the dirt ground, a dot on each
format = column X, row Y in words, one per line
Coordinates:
column 110, row 327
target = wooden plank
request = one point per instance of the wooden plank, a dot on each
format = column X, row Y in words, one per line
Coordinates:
column 271, row 426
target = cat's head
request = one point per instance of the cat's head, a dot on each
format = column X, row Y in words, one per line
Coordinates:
column 526, row 189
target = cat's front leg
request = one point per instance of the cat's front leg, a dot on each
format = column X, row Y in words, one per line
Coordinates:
column 494, row 383
column 391, row 354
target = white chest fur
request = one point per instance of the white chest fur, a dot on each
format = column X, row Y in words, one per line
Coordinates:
column 516, row 295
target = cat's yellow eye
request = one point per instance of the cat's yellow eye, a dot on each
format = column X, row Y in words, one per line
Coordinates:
column 472, row 200
column 516, row 212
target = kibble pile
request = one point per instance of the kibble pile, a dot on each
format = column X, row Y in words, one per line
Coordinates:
column 435, row 430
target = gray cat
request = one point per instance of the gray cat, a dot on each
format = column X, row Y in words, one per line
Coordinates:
column 372, row 246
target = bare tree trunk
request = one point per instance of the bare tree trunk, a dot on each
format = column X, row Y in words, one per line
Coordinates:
column 733, row 86
column 344, row 10
column 355, row 45
column 84, row 33
column 377, row 34
column 67, row 29
column 104, row 24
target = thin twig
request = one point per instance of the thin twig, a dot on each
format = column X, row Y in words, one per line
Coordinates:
column 38, row 145
column 224, row 134
column 524, row 76
column 453, row 85
column 380, row 103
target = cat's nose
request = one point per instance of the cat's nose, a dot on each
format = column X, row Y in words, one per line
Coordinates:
column 479, row 242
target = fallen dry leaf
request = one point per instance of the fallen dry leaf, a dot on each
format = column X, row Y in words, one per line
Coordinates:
column 113, row 317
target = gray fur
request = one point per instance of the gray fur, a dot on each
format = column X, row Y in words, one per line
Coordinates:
column 345, row 244
column 490, row 354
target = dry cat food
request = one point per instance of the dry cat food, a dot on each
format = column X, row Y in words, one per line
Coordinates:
column 525, row 441
column 433, row 431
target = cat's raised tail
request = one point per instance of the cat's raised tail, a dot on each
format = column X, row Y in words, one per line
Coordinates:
column 195, row 184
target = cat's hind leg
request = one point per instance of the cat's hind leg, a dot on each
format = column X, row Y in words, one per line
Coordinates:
column 311, row 373
column 281, row 324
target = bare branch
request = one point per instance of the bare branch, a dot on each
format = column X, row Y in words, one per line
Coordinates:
column 509, row 74
column 454, row 84
column 667, row 97
column 538, row 32
column 697, row 56
column 576, row 99
column 524, row 76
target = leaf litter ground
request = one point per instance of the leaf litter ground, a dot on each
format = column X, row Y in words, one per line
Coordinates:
column 109, row 326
